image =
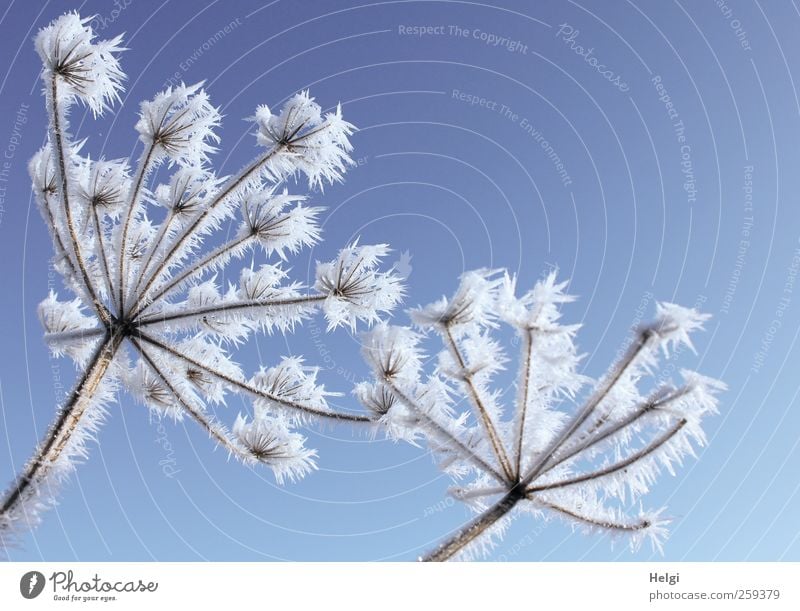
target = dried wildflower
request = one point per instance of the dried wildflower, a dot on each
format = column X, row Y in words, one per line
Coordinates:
column 147, row 312
column 533, row 457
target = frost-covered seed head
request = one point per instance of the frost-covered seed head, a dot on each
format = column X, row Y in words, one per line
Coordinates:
column 378, row 399
column 472, row 304
column 279, row 221
column 43, row 172
column 290, row 382
column 392, row 352
column 317, row 145
column 88, row 69
column 268, row 440
column 103, row 185
column 180, row 123
column 582, row 466
column 356, row 289
column 674, row 324
column 187, row 191
column 536, row 309
column 142, row 262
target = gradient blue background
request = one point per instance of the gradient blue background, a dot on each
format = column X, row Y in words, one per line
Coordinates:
column 457, row 187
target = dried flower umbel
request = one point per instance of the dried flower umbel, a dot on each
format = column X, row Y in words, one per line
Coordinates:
column 147, row 313
column 532, row 456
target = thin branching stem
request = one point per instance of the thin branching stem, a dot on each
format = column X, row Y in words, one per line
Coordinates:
column 597, row 397
column 524, row 395
column 476, row 528
column 478, row 403
column 584, row 444
column 476, row 493
column 103, row 258
column 65, row 336
column 133, row 201
column 249, row 388
column 656, row 398
column 198, row 268
column 58, row 139
column 59, row 243
column 607, row 524
column 227, row 190
column 163, row 231
column 618, row 466
column 208, row 425
column 66, row 423
column 456, row 444
column 229, row 307
column 142, row 171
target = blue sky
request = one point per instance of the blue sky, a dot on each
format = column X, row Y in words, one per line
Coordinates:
column 489, row 136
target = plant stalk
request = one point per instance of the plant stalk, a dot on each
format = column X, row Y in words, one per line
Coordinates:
column 67, row 422
column 477, row 527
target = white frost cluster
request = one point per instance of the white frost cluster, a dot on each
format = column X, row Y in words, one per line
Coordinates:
column 149, row 311
column 356, row 289
column 87, row 69
column 522, row 451
column 178, row 123
column 312, row 143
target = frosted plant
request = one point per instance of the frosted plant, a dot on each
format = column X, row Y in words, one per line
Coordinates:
column 142, row 262
column 532, row 455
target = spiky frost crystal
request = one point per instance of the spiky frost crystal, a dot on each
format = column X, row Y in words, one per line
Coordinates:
column 149, row 313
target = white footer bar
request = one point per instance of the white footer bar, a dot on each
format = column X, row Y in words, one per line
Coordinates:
column 378, row 586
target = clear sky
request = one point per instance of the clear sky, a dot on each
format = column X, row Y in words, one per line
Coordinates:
column 662, row 165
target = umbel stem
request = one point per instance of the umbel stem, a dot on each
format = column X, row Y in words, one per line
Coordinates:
column 522, row 487
column 477, row 527
column 68, row 421
column 65, row 425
